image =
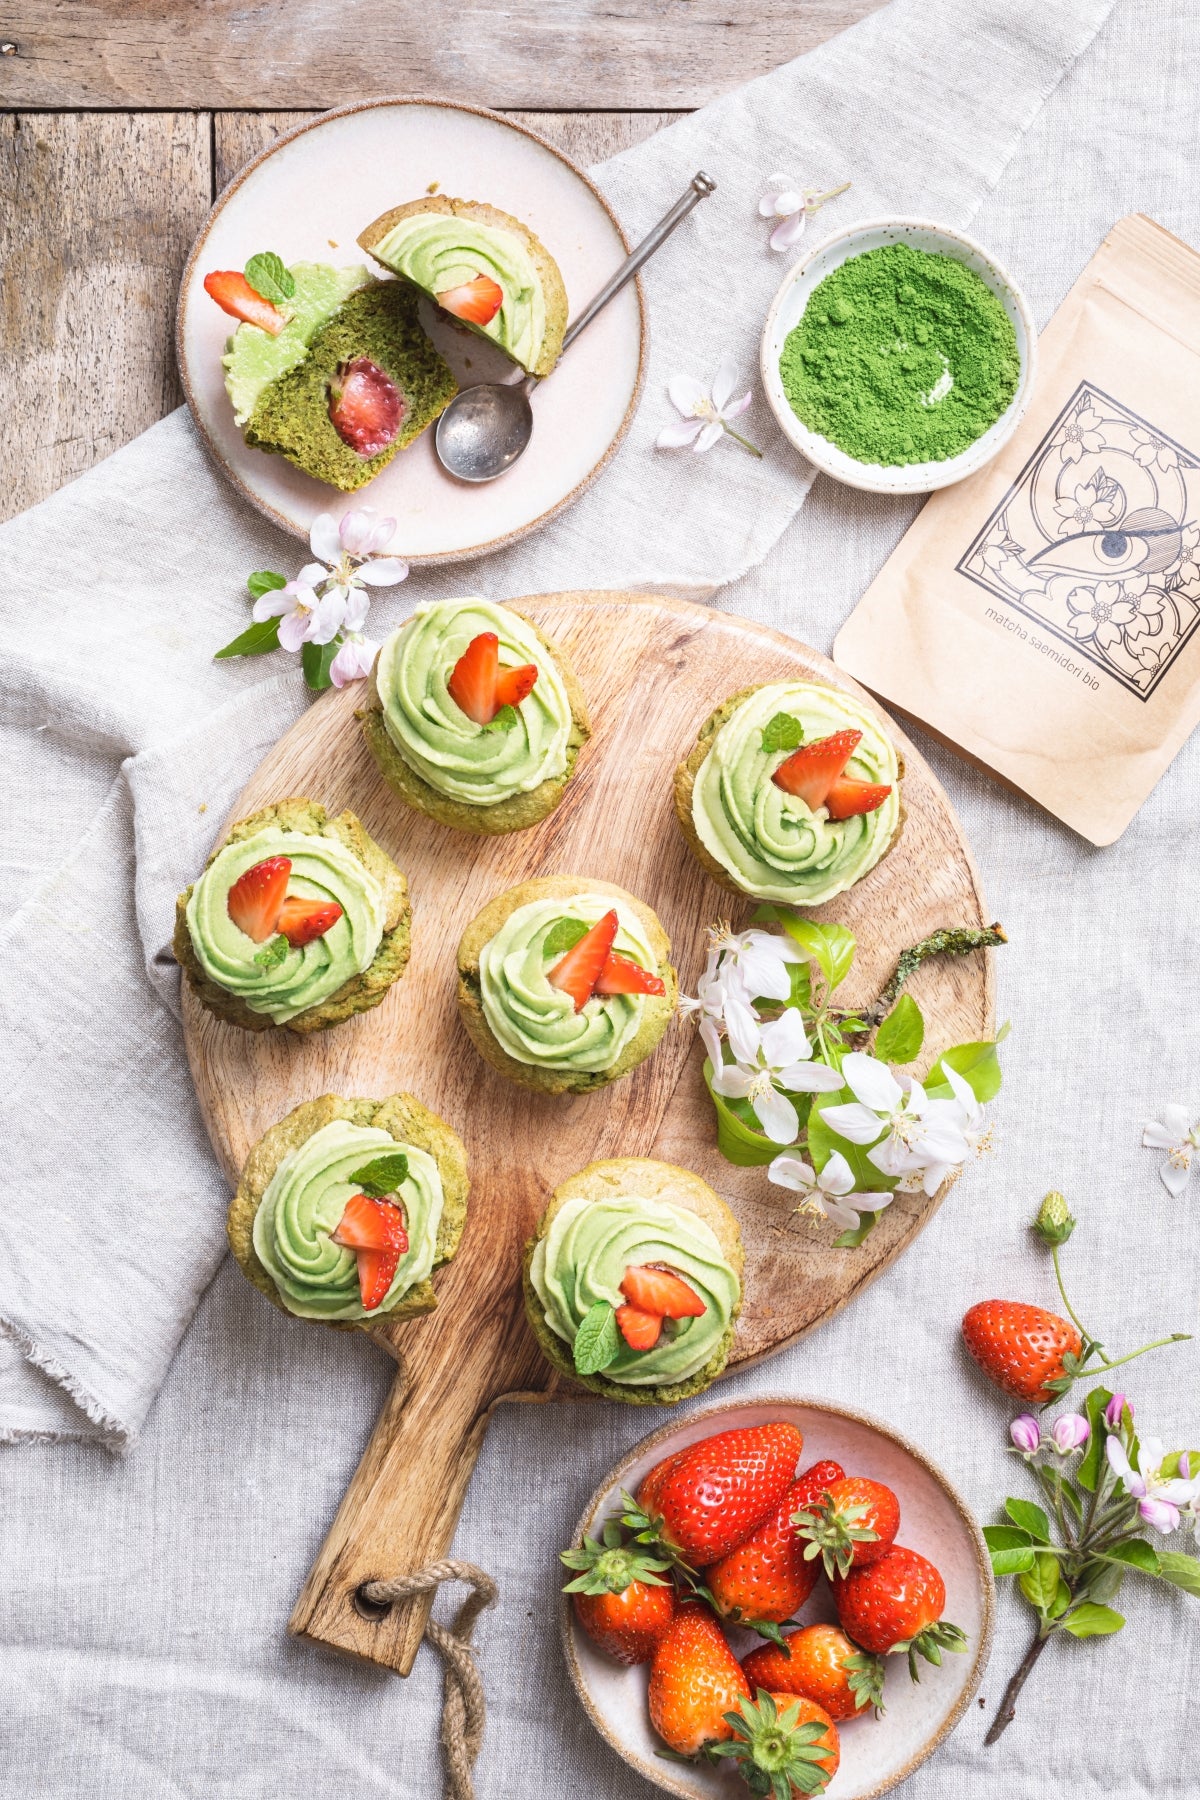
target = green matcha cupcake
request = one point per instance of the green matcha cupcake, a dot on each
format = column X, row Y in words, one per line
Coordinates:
column 332, row 371
column 564, row 984
column 298, row 920
column 345, row 1208
column 474, row 717
column 481, row 266
column 792, row 793
column 633, row 1283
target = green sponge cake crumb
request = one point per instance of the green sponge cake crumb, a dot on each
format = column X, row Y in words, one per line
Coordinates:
column 292, row 415
column 253, row 358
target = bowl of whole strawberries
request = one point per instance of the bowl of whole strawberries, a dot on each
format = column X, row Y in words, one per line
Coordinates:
column 779, row 1588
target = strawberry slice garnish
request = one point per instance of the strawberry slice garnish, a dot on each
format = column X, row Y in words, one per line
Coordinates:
column 621, row 975
column 847, row 797
column 658, row 1291
column 375, row 1231
column 366, row 407
column 811, row 771
column 234, row 295
column 476, row 301
column 303, row 920
column 515, row 685
column 472, row 683
column 579, row 970
column 641, row 1330
column 255, row 900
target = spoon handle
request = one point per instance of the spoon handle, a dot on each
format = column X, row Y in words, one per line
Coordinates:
column 698, row 187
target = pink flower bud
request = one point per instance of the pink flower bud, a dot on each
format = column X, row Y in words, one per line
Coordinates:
column 1070, row 1433
column 1025, row 1433
column 1113, row 1412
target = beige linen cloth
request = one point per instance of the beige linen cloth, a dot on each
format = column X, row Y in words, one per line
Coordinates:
column 142, row 1597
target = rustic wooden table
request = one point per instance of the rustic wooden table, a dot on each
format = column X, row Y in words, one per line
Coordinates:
column 125, row 118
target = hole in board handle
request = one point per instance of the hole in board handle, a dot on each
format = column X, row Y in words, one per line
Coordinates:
column 374, row 1610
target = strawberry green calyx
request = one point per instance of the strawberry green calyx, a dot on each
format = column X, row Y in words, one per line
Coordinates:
column 649, row 1528
column 864, row 1674
column 776, row 1755
column 613, row 1565
column 832, row 1532
column 1054, row 1223
column 930, row 1643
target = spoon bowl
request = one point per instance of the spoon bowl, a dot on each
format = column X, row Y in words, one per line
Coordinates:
column 484, row 430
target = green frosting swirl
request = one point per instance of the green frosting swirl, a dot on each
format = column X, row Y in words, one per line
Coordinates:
column 537, row 1023
column 322, row 869
column 477, row 765
column 304, row 1201
column 437, row 251
column 770, row 842
column 583, row 1258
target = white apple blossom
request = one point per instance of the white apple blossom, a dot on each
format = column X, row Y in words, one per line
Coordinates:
column 1181, row 1140
column 826, row 1194
column 354, row 660
column 770, row 1057
column 349, row 553
column 705, row 413
column 305, row 617
column 793, row 207
column 741, row 967
column 918, row 1137
column 1159, row 1498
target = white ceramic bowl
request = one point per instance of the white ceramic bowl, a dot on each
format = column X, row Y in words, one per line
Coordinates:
column 934, row 1519
column 787, row 309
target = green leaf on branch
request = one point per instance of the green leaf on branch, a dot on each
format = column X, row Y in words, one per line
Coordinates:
column 264, row 581
column 1171, row 1462
column 858, row 1234
column 562, row 936
column 831, row 947
column 382, row 1176
column 1012, row 1562
column 782, row 732
column 1092, row 1621
column 1029, row 1516
column 1136, row 1553
column 256, row 640
column 978, row 1064
column 902, row 1033
column 1062, row 1599
column 1180, row 1570
column 1088, row 1472
column 597, row 1341
column 1040, row 1584
column 316, row 660
column 269, row 276
column 1006, row 1537
column 1099, row 1579
column 738, row 1142
column 1060, row 1489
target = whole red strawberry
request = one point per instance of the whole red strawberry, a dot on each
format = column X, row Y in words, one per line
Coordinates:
column 718, row 1490
column 852, row 1523
column 820, row 1662
column 895, row 1605
column 767, row 1578
column 623, row 1598
column 1023, row 1349
column 695, row 1679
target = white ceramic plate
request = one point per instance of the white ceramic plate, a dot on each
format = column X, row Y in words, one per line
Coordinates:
column 787, row 309
column 326, row 181
column 876, row 1753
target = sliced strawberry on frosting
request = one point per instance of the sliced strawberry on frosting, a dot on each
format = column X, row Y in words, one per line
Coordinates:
column 641, row 1330
column 255, row 900
column 234, row 295
column 375, row 1231
column 621, row 975
column 376, row 1273
column 579, row 970
column 366, row 408
column 658, row 1291
column 811, row 771
column 303, row 920
column 847, row 797
column 477, row 301
column 515, row 685
column 472, row 683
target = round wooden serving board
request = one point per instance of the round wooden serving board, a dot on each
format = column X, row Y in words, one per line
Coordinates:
column 652, row 671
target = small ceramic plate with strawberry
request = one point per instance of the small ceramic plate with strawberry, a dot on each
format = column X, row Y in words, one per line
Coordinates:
column 921, row 1574
column 307, row 198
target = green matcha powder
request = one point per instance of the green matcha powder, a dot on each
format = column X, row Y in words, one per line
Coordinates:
column 902, row 356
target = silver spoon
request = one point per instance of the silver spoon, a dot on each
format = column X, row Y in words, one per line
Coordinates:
column 486, row 428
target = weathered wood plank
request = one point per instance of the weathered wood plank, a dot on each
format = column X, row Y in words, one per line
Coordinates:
column 97, row 213
column 619, row 55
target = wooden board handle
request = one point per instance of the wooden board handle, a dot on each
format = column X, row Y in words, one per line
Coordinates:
column 401, row 1508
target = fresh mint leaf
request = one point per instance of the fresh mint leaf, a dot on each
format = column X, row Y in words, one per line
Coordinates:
column 254, row 641
column 1093, row 1621
column 504, row 720
column 383, row 1176
column 269, row 276
column 562, row 936
column 272, row 954
column 264, row 581
column 902, row 1033
column 1028, row 1515
column 316, row 661
column 597, row 1341
column 783, row 732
